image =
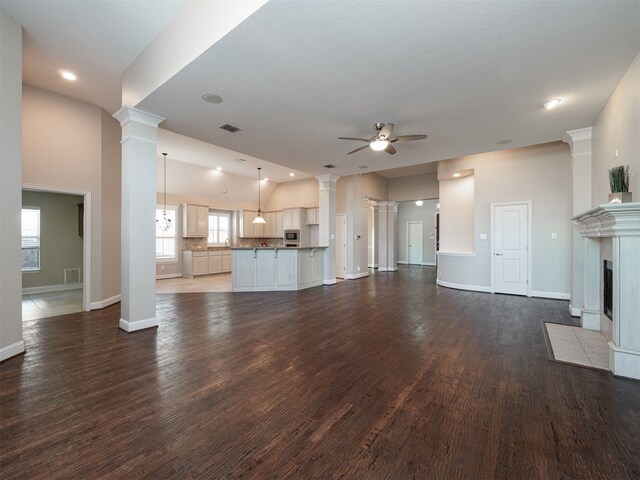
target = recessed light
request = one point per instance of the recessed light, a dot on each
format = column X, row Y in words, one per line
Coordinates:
column 291, row 174
column 212, row 98
column 503, row 142
column 456, row 175
column 553, row 103
column 265, row 179
column 68, row 75
column 240, row 160
column 219, row 168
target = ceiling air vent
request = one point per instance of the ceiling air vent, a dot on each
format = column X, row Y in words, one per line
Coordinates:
column 229, row 128
column 329, row 166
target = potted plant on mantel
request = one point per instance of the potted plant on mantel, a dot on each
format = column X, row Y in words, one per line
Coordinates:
column 619, row 182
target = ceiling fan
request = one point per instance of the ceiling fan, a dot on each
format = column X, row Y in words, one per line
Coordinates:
column 382, row 140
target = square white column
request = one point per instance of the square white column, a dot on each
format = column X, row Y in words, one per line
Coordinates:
column 138, row 284
column 327, row 225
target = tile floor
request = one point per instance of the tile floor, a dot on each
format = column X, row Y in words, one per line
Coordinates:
column 50, row 304
column 220, row 282
column 578, row 346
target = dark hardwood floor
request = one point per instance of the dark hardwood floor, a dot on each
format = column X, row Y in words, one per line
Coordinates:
column 385, row 377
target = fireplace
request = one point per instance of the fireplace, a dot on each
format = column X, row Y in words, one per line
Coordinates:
column 607, row 300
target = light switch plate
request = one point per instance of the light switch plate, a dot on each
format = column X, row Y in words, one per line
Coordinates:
column 483, row 236
column 554, row 236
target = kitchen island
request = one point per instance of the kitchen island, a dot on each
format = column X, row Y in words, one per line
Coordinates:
column 259, row 269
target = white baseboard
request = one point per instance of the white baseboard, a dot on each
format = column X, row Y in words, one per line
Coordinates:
column 590, row 319
column 624, row 363
column 461, row 286
column 105, row 303
column 428, row 264
column 138, row 324
column 331, row 281
column 402, row 262
column 357, row 275
column 168, row 275
column 389, row 269
column 575, row 312
column 551, row 295
column 11, row 350
column 373, row 265
column 52, row 288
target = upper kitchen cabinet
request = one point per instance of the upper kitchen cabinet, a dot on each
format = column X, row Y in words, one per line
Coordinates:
column 294, row 218
column 195, row 221
column 272, row 229
column 312, row 216
column 279, row 224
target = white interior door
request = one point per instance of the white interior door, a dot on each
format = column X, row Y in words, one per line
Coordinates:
column 414, row 247
column 341, row 245
column 511, row 249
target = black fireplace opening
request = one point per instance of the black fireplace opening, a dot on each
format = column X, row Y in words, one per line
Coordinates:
column 608, row 289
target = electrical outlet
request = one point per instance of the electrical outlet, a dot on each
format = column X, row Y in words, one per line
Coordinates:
column 554, row 236
column 483, row 236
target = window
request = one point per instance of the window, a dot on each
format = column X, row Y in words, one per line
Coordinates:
column 30, row 239
column 219, row 231
column 166, row 242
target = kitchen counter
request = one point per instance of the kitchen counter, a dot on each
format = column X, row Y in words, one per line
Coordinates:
column 259, row 269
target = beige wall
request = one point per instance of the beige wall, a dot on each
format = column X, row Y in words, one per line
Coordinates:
column 416, row 187
column 618, row 127
column 299, row 193
column 60, row 243
column 540, row 174
column 457, row 214
column 410, row 212
column 64, row 141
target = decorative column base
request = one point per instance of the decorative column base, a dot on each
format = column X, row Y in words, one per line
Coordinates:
column 624, row 363
column 590, row 319
column 138, row 324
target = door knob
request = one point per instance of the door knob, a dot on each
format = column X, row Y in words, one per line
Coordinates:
column 499, row 254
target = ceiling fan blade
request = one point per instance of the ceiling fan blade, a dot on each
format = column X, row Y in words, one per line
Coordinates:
column 390, row 149
column 358, row 149
column 408, row 138
column 351, row 138
column 386, row 130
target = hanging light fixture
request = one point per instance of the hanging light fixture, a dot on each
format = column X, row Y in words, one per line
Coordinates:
column 165, row 222
column 259, row 218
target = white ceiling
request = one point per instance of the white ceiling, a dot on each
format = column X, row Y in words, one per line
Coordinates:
column 294, row 76
column 96, row 39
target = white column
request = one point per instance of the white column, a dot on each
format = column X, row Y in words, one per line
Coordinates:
column 381, row 221
column 138, row 284
column 11, row 342
column 327, row 225
column 590, row 311
column 392, row 236
column 580, row 143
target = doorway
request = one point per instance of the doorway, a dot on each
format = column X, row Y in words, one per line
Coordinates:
column 414, row 243
column 55, row 237
column 341, row 245
column 510, row 247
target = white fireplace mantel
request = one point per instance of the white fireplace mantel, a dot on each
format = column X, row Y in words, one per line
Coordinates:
column 621, row 223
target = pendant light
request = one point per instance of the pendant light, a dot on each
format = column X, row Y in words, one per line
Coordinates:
column 165, row 222
column 259, row 218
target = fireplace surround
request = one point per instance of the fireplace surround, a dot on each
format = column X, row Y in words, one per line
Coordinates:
column 613, row 230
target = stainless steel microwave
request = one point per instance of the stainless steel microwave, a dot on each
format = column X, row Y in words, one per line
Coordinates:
column 292, row 235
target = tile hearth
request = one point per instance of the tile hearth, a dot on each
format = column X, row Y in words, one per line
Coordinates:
column 578, row 346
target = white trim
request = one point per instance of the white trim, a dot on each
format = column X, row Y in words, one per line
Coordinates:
column 610, row 220
column 86, row 239
column 168, row 275
column 388, row 269
column 624, row 363
column 460, row 286
column 374, row 265
column 128, row 114
column 551, row 295
column 457, row 254
column 137, row 324
column 575, row 312
column 402, row 262
column 421, row 241
column 577, row 135
column 52, row 288
column 357, row 275
column 105, row 303
column 590, row 319
column 140, row 139
column 529, row 204
column 331, row 281
column 11, row 350
column 428, row 264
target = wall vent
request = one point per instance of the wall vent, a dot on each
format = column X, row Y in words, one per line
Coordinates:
column 229, row 128
column 71, row 275
column 329, row 166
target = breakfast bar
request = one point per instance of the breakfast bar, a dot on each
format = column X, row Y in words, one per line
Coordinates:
column 258, row 269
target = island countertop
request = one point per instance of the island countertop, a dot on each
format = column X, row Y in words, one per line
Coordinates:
column 274, row 248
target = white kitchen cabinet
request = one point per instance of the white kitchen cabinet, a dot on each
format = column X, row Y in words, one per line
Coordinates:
column 226, row 261
column 215, row 262
column 312, row 216
column 265, row 273
column 294, row 218
column 270, row 226
column 272, row 229
column 279, row 225
column 195, row 221
column 200, row 265
column 244, row 270
column 205, row 262
column 246, row 223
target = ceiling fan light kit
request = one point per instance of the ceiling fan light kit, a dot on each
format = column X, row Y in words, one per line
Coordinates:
column 382, row 140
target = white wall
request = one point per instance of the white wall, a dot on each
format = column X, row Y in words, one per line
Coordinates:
column 299, row 193
column 410, row 212
column 540, row 174
column 415, row 187
column 618, row 127
column 11, row 342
